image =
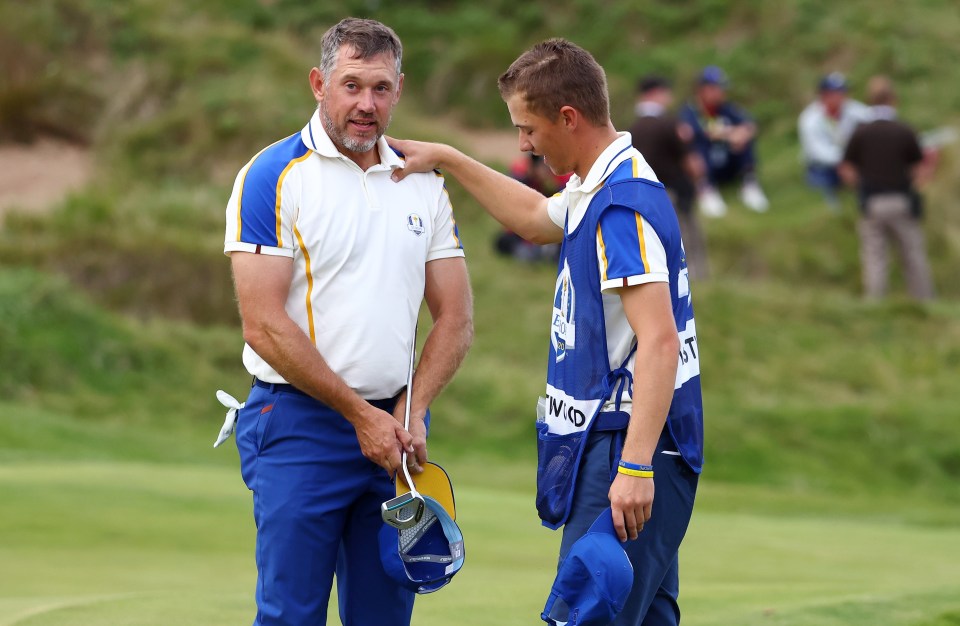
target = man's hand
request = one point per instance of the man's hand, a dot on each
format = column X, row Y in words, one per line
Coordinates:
column 382, row 439
column 631, row 499
column 418, row 156
column 740, row 136
column 418, row 434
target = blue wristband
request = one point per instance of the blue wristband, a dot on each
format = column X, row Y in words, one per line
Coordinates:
column 638, row 467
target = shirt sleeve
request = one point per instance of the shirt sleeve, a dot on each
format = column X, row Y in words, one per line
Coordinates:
column 262, row 208
column 629, row 251
column 446, row 241
column 815, row 139
column 557, row 208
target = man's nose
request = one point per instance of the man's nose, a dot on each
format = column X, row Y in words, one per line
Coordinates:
column 366, row 101
column 525, row 145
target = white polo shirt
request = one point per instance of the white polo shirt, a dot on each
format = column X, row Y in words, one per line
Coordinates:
column 359, row 242
column 624, row 240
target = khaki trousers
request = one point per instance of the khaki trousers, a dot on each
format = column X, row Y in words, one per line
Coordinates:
column 887, row 218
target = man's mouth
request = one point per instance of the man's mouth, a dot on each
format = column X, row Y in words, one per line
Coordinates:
column 364, row 125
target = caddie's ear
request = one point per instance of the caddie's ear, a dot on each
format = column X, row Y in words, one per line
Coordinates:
column 569, row 117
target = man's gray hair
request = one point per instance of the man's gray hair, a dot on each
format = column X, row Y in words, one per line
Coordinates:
column 368, row 38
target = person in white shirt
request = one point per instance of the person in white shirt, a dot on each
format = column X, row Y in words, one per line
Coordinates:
column 331, row 260
column 825, row 127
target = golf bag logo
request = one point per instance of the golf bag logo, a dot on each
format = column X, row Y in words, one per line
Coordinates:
column 563, row 329
column 415, row 224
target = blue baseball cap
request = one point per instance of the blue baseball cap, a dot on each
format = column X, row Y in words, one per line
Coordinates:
column 426, row 556
column 593, row 581
column 834, row 81
column 713, row 75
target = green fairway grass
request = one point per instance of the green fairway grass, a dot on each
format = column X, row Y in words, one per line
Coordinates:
column 125, row 543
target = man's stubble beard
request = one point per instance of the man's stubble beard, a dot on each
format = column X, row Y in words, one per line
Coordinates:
column 342, row 139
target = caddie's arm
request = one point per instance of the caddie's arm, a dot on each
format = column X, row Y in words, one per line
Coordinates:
column 448, row 296
column 510, row 202
column 650, row 314
column 262, row 283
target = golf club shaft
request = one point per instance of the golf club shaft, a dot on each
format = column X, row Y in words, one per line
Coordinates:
column 406, row 407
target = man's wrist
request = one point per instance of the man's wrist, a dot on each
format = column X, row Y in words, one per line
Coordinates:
column 638, row 470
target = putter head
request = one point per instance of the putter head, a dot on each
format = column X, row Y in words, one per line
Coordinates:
column 403, row 511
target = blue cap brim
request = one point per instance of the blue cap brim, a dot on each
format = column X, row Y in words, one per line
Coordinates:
column 432, row 560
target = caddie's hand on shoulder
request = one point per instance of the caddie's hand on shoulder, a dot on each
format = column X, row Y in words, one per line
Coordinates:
column 382, row 439
column 418, row 156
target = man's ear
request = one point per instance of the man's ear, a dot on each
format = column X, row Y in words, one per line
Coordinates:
column 569, row 117
column 399, row 88
column 316, row 83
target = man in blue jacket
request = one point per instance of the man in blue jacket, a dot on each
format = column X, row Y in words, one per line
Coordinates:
column 724, row 135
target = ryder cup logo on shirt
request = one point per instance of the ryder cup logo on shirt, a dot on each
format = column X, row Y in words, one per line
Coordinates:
column 563, row 331
column 415, row 224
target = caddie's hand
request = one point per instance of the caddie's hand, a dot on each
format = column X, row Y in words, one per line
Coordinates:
column 631, row 500
column 418, row 156
column 382, row 439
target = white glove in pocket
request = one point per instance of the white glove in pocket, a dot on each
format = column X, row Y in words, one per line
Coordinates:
column 233, row 405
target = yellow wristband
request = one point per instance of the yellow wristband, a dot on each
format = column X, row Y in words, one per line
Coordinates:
column 633, row 472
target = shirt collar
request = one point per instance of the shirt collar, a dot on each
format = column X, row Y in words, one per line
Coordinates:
column 315, row 137
column 615, row 154
column 883, row 112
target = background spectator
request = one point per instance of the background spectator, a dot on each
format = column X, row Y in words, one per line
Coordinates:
column 885, row 161
column 665, row 144
column 724, row 135
column 824, row 127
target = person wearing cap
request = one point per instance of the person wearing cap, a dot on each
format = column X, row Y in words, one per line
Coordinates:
column 665, row 143
column 331, row 261
column 622, row 419
column 824, row 127
column 724, row 135
column 884, row 161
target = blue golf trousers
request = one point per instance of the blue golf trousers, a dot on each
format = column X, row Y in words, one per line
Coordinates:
column 316, row 503
column 656, row 581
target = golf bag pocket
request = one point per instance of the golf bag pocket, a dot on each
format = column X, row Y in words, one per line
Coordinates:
column 557, row 458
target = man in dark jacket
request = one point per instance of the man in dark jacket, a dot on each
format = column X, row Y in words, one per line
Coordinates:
column 885, row 162
column 665, row 144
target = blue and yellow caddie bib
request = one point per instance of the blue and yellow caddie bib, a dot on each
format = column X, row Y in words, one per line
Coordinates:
column 580, row 378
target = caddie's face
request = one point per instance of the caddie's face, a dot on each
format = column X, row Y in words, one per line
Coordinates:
column 357, row 99
column 541, row 136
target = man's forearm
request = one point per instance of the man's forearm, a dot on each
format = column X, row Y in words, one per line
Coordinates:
column 658, row 353
column 444, row 351
column 283, row 345
column 652, row 395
